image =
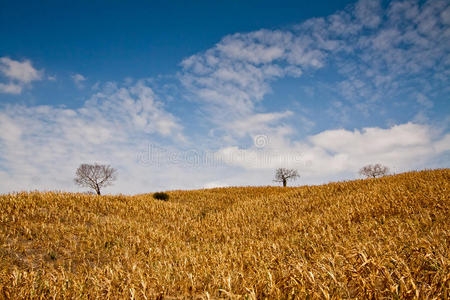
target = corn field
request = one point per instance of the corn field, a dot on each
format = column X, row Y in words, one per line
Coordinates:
column 375, row 238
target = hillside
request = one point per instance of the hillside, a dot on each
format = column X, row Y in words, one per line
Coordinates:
column 384, row 237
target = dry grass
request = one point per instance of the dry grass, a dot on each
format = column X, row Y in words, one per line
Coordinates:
column 377, row 238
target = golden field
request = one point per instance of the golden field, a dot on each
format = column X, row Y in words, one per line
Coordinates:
column 376, row 238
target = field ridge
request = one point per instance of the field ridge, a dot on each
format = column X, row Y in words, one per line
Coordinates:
column 375, row 238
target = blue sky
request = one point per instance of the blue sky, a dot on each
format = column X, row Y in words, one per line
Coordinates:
column 190, row 95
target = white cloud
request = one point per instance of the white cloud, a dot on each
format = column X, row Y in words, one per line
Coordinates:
column 410, row 45
column 19, row 74
column 293, row 71
column 443, row 144
column 368, row 13
column 333, row 153
column 379, row 54
column 214, row 184
column 424, row 101
column 10, row 88
column 41, row 146
column 258, row 122
column 20, row 71
column 372, row 140
column 232, row 77
column 375, row 56
column 136, row 106
column 78, row 79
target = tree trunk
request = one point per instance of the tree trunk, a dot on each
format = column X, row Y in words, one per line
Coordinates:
column 284, row 182
column 97, row 189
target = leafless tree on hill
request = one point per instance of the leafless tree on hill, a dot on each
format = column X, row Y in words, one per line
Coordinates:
column 373, row 171
column 283, row 175
column 95, row 176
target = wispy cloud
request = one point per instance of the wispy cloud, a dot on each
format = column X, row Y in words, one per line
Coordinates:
column 375, row 55
column 41, row 145
column 78, row 79
column 19, row 73
column 11, row 88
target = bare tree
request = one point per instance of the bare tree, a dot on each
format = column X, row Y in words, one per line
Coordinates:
column 283, row 175
column 95, row 176
column 373, row 171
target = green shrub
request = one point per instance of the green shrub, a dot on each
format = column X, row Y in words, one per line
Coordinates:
column 161, row 196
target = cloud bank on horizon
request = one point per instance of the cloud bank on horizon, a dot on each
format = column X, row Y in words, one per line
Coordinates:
column 370, row 84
